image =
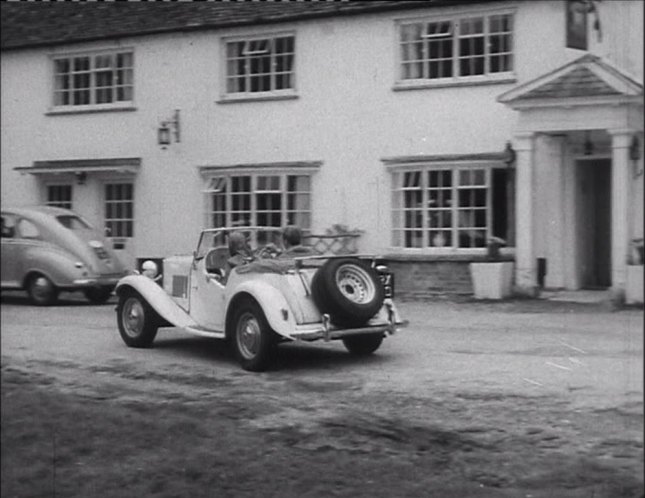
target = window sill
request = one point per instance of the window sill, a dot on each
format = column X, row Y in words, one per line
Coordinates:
column 89, row 109
column 448, row 83
column 507, row 255
column 228, row 99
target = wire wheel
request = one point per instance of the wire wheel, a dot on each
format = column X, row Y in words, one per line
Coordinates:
column 138, row 322
column 248, row 335
column 133, row 316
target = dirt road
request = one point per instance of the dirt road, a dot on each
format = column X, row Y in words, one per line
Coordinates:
column 510, row 399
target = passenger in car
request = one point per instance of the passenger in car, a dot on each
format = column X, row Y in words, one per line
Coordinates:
column 240, row 252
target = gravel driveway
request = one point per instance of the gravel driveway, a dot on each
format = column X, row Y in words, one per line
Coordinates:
column 523, row 398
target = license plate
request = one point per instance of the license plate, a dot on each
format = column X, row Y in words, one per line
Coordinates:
column 387, row 279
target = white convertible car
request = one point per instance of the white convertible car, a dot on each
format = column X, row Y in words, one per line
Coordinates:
column 258, row 304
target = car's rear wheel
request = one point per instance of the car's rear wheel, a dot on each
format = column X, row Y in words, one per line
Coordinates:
column 253, row 339
column 41, row 290
column 137, row 321
column 98, row 295
column 363, row 345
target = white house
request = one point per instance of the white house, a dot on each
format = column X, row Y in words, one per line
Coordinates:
column 429, row 126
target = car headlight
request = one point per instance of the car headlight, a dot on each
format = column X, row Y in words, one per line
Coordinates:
column 78, row 264
column 149, row 269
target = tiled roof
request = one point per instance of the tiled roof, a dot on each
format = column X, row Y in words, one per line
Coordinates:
column 581, row 82
column 32, row 24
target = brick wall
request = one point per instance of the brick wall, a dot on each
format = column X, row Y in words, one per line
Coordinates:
column 420, row 277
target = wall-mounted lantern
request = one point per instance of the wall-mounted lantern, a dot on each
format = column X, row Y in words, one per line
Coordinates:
column 167, row 129
column 81, row 177
column 509, row 155
column 635, row 155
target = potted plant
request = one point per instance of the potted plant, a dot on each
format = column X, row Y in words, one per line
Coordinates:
column 493, row 278
column 634, row 280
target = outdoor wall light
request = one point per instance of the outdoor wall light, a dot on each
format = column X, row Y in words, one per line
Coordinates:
column 509, row 155
column 164, row 135
column 81, row 177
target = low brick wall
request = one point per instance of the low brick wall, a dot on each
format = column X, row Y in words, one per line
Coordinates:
column 427, row 277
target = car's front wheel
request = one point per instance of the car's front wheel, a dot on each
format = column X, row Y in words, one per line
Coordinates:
column 41, row 290
column 253, row 339
column 363, row 345
column 137, row 320
column 98, row 295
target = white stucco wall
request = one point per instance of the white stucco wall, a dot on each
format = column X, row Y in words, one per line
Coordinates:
column 347, row 115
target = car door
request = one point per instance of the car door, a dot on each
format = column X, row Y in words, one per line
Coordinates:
column 11, row 269
column 207, row 300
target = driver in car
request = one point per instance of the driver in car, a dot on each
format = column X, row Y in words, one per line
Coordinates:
column 292, row 241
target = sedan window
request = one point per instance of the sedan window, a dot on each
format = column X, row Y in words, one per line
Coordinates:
column 27, row 230
column 73, row 222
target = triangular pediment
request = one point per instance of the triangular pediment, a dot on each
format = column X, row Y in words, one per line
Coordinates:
column 583, row 81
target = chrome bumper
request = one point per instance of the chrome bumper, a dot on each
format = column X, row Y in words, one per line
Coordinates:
column 328, row 332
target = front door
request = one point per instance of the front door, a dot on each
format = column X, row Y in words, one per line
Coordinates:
column 594, row 222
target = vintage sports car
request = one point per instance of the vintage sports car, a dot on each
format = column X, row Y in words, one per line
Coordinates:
column 46, row 250
column 273, row 297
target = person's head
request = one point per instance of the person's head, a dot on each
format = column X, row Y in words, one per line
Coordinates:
column 292, row 236
column 237, row 243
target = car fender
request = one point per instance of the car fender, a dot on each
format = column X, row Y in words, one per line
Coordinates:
column 57, row 264
column 157, row 298
column 276, row 309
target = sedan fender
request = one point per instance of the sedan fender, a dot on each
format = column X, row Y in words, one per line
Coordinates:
column 56, row 264
column 273, row 303
column 156, row 297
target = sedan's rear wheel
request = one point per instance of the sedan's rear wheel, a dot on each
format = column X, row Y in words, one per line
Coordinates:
column 137, row 321
column 253, row 339
column 42, row 291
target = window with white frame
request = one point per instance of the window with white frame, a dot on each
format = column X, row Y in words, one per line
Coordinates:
column 105, row 78
column 119, row 209
column 59, row 196
column 260, row 65
column 444, row 207
column 259, row 199
column 456, row 48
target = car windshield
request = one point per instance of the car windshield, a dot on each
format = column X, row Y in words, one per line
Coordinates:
column 73, row 222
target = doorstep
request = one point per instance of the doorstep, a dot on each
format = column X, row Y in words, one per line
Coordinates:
column 577, row 296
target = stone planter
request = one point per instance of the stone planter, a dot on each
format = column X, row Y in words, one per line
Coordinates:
column 492, row 280
column 634, row 284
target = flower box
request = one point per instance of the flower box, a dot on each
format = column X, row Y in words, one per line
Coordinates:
column 492, row 280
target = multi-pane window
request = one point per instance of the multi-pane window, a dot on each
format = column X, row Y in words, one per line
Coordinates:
column 274, row 200
column 448, row 48
column 260, row 65
column 59, row 196
column 119, row 209
column 444, row 207
column 105, row 78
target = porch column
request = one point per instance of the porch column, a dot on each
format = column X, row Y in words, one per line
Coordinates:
column 620, row 171
column 525, row 264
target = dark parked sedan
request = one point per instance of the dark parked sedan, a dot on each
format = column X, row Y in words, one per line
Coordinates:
column 46, row 250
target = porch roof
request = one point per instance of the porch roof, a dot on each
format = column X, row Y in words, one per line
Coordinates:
column 117, row 165
column 583, row 80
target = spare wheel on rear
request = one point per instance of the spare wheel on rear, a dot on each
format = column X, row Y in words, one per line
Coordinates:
column 349, row 290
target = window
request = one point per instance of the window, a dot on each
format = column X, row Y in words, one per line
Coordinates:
column 449, row 207
column 457, row 48
column 260, row 199
column 119, row 209
column 260, row 65
column 59, row 196
column 89, row 80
